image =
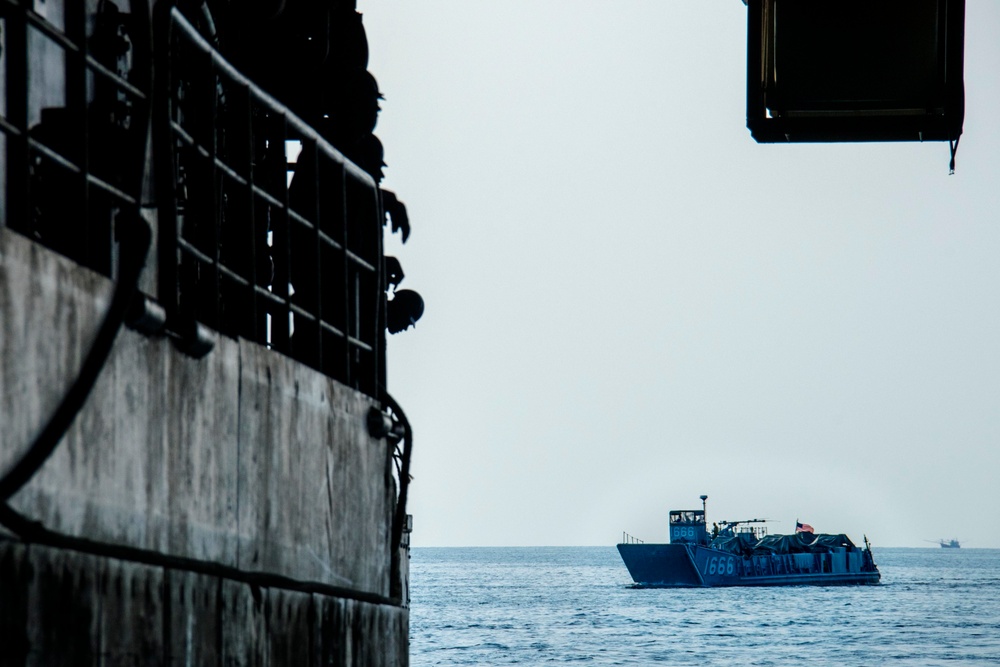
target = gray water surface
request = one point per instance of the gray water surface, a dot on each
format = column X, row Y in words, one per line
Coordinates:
column 528, row 606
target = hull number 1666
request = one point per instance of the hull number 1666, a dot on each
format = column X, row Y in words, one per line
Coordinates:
column 721, row 565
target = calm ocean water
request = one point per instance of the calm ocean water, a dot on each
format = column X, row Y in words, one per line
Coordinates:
column 531, row 606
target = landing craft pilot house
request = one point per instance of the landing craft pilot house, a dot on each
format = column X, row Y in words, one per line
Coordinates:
column 688, row 527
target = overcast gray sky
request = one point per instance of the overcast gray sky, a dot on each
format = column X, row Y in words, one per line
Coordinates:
column 631, row 303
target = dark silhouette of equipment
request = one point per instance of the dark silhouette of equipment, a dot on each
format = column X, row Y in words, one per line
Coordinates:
column 822, row 71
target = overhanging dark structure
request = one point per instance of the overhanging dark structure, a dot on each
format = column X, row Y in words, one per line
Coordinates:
column 882, row 70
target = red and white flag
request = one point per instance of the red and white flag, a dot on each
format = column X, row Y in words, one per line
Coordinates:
column 803, row 527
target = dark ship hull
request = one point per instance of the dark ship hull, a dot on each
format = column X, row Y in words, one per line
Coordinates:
column 200, row 459
column 682, row 565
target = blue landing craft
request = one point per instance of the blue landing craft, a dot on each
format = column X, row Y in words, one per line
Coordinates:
column 740, row 553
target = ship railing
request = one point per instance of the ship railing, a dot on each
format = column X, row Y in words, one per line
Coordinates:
column 629, row 539
column 267, row 232
column 74, row 80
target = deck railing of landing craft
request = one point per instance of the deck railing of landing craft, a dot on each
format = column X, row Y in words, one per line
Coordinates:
column 268, row 232
column 629, row 539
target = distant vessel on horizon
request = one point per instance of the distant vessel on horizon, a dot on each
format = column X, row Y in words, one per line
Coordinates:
column 949, row 544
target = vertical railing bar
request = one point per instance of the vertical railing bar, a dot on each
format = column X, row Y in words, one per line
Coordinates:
column 75, row 61
column 256, row 331
column 281, row 243
column 318, row 256
column 356, row 301
column 378, row 344
column 346, row 278
column 18, row 157
column 215, row 212
column 165, row 172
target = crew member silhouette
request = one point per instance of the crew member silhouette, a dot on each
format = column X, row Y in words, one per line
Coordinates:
column 404, row 310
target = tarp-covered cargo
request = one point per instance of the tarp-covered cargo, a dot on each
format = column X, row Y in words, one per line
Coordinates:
column 833, row 541
column 740, row 544
column 799, row 543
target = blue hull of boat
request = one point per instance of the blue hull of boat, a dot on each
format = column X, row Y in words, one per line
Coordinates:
column 670, row 565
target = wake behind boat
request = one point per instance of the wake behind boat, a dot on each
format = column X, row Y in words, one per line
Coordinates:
column 740, row 553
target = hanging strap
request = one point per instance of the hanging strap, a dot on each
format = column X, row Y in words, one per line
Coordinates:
column 953, row 145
